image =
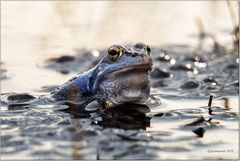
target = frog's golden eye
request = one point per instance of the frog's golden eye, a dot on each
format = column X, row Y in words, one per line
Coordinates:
column 114, row 52
column 148, row 49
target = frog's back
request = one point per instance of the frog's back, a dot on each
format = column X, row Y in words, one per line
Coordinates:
column 73, row 90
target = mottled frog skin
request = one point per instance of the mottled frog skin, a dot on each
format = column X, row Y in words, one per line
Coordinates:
column 123, row 75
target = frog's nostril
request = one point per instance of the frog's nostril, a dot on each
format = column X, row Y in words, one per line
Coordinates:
column 134, row 54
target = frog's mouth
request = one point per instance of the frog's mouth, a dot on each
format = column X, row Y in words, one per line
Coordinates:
column 136, row 67
column 142, row 68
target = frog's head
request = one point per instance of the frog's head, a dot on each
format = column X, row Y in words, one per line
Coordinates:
column 123, row 75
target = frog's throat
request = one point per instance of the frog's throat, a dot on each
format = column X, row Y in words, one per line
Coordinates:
column 95, row 76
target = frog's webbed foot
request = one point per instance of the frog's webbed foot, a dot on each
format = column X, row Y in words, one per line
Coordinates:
column 91, row 105
column 94, row 105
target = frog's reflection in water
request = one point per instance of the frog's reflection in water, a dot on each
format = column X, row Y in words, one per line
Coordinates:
column 125, row 116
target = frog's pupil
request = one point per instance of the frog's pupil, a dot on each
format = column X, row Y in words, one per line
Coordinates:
column 113, row 52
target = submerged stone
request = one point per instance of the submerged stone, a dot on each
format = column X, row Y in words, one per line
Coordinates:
column 236, row 84
column 158, row 73
column 189, row 85
column 160, row 83
column 181, row 67
column 21, row 97
column 232, row 66
column 209, row 80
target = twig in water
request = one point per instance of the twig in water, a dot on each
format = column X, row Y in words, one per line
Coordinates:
column 209, row 120
column 226, row 103
column 197, row 122
column 98, row 154
column 209, row 105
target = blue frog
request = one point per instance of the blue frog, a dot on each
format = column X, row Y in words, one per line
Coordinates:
column 123, row 75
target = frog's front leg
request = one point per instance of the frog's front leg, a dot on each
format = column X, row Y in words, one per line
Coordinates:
column 100, row 104
column 95, row 104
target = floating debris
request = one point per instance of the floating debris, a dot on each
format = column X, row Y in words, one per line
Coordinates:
column 189, row 85
column 20, row 97
column 64, row 71
column 63, row 59
column 160, row 83
column 199, row 131
column 178, row 67
column 210, row 80
column 199, row 121
column 158, row 73
column 159, row 114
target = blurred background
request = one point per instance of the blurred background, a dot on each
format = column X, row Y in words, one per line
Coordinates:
column 34, row 31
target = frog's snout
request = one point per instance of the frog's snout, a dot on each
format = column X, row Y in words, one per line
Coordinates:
column 147, row 59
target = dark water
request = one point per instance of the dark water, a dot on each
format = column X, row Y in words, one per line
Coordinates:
column 178, row 122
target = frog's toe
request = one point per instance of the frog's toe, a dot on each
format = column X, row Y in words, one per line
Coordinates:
column 107, row 105
column 93, row 106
